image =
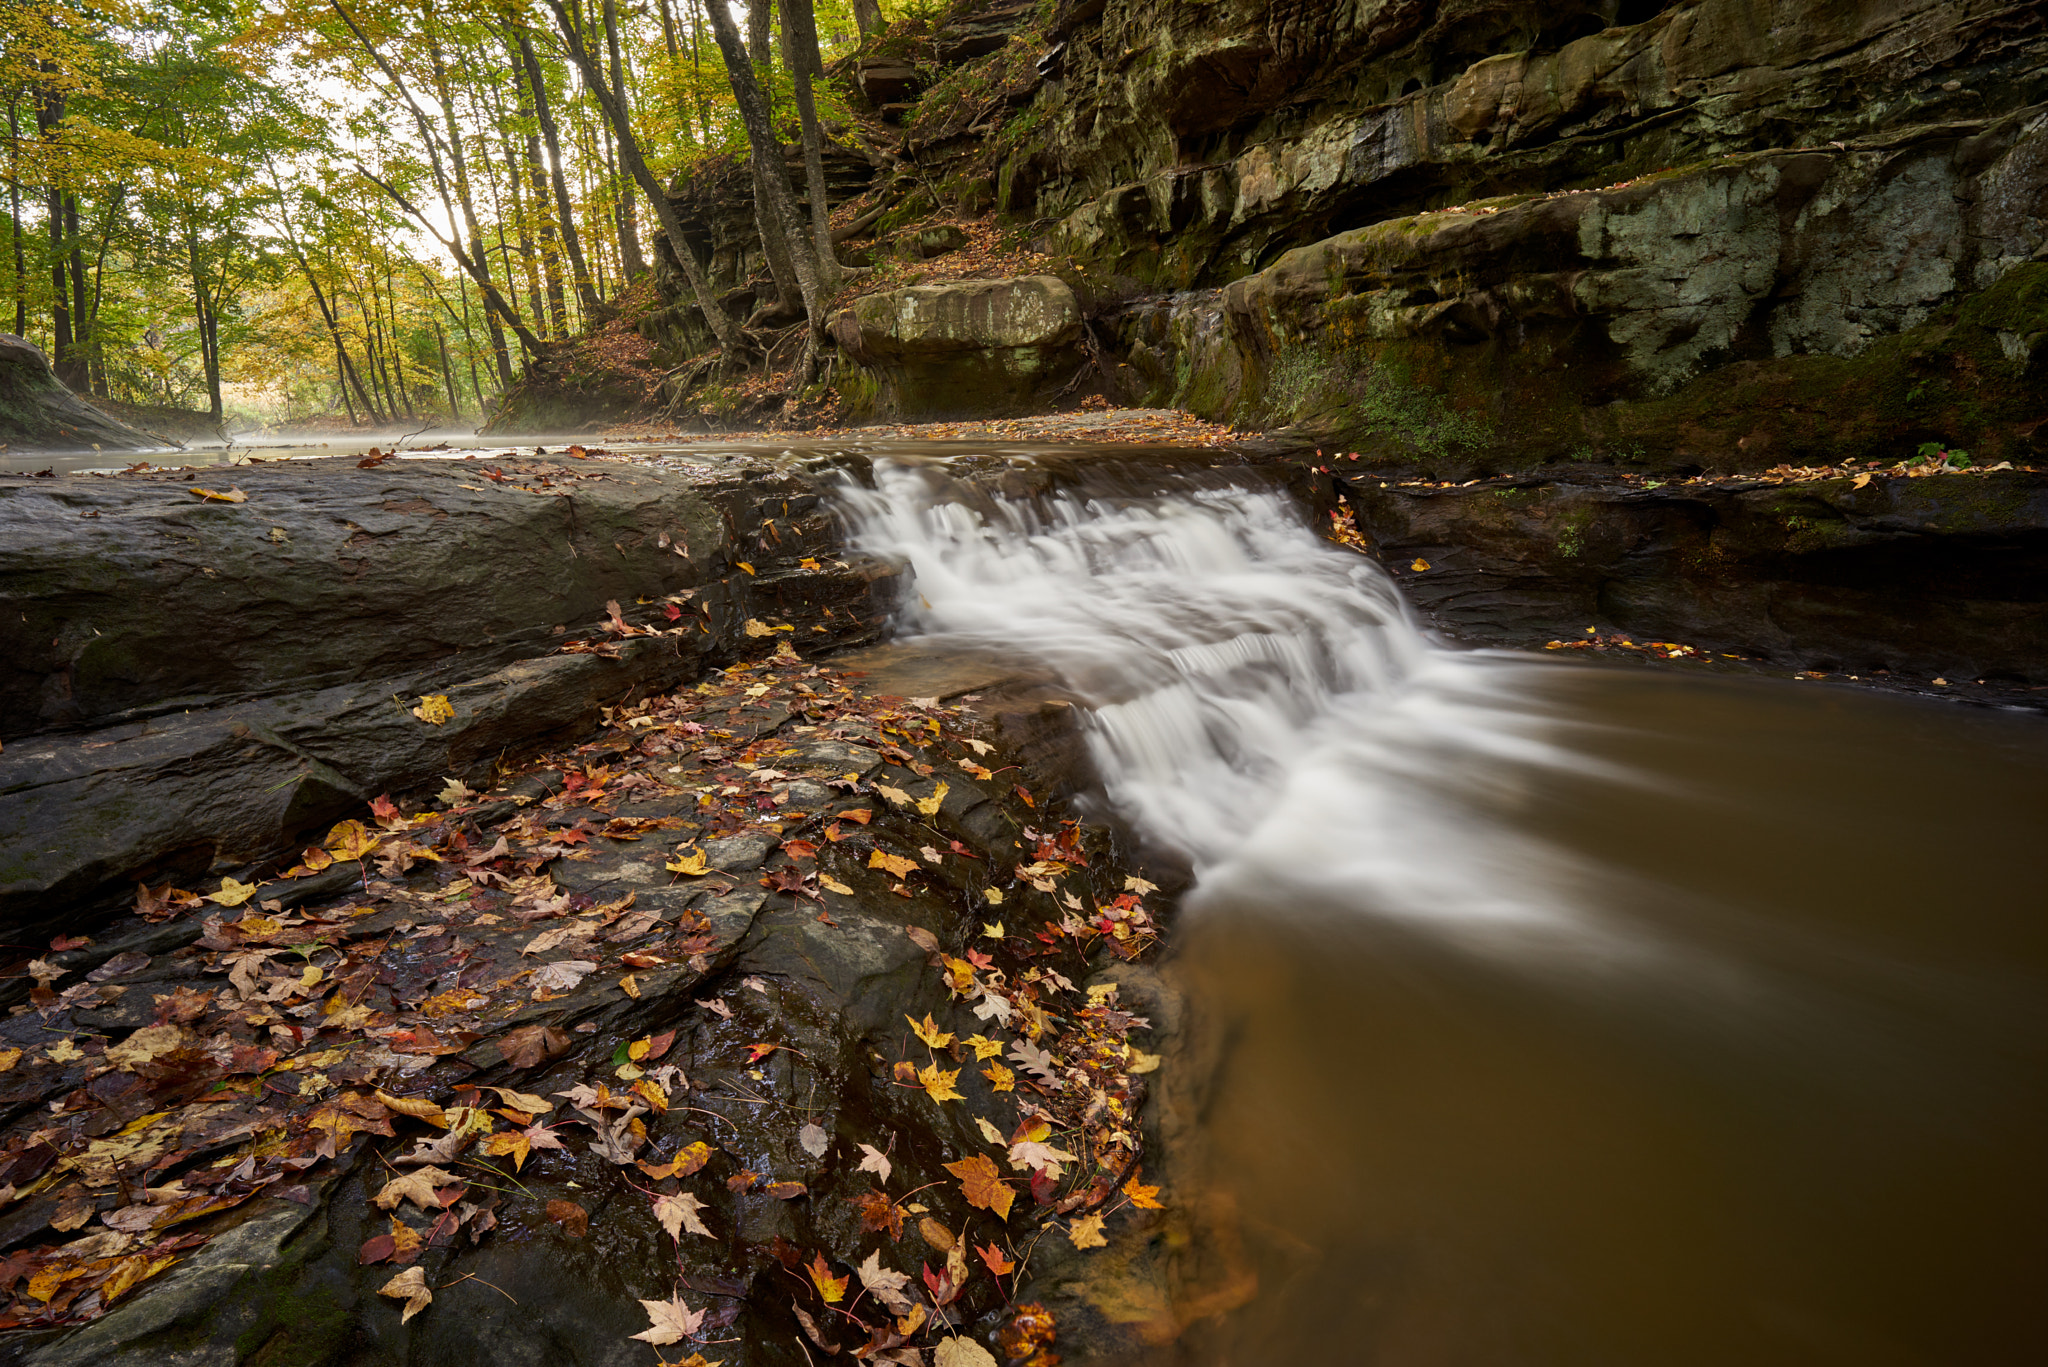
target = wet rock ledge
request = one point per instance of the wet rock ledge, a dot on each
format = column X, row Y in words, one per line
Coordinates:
column 191, row 684
column 691, row 1001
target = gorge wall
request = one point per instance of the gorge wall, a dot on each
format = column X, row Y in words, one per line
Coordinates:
column 1484, row 235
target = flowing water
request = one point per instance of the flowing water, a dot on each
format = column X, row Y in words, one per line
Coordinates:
column 1572, row 1014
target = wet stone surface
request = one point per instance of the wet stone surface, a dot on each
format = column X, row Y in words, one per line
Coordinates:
column 781, row 1000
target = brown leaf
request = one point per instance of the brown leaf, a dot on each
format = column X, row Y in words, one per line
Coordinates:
column 532, row 1045
column 878, row 1213
column 574, row 1220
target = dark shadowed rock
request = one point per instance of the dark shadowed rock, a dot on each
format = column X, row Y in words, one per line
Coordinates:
column 38, row 412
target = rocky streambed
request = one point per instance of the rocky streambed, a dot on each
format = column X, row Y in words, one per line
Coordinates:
column 687, row 991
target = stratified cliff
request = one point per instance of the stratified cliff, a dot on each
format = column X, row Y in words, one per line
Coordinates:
column 1480, row 234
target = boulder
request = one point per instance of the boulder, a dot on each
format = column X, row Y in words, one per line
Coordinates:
column 38, row 412
column 986, row 346
column 192, row 685
column 1944, row 575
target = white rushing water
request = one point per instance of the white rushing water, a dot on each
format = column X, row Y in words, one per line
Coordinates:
column 1258, row 700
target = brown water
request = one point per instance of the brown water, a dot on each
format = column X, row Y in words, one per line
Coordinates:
column 1781, row 1099
column 1557, row 1014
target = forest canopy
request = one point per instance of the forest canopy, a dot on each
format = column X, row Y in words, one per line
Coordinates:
column 358, row 210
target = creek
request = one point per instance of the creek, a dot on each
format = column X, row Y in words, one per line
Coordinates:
column 1564, row 1013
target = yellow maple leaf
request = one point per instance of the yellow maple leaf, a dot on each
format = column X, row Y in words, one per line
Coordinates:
column 1086, row 1232
column 994, row 896
column 434, row 709
column 352, row 840
column 692, row 863
column 232, row 894
column 1144, row 1198
column 928, row 1031
column 984, row 1047
column 1000, row 1079
column 930, row 805
column 938, row 1083
column 895, row 864
column 1419, row 566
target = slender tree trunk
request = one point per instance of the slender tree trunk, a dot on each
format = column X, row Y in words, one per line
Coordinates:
column 81, row 317
column 868, row 14
column 774, row 245
column 536, row 200
column 476, row 383
column 631, row 263
column 343, row 365
column 571, row 240
column 95, row 352
column 800, row 36
column 721, row 323
column 209, row 334
column 447, row 373
column 459, row 167
column 14, row 217
column 781, row 216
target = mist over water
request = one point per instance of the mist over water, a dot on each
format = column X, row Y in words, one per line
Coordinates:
column 1567, row 1014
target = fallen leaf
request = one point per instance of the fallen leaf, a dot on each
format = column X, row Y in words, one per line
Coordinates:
column 231, row 496
column 417, row 1107
column 418, row 1186
column 959, row 1352
column 563, row 975
column 787, row 1191
column 936, row 1234
column 831, row 884
column 981, row 1185
column 1086, row 1232
column 532, row 1045
column 672, row 1321
column 574, row 1219
column 878, row 1214
column 993, row 1257
column 1000, row 1079
column 875, row 1161
column 895, row 795
column 832, row 1288
column 895, row 864
column 411, row 1287
column 1419, row 566
column 983, row 1047
column 693, row 864
column 813, row 1139
column 678, row 1213
column 886, row 1285
column 232, row 893
column 434, row 709
column 1144, row 1198
column 939, row 1083
column 930, row 805
column 929, row 1031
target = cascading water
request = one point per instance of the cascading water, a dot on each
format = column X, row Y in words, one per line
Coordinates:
column 1577, row 1015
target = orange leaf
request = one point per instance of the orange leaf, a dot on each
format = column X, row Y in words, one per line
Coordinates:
column 997, row 1263
column 981, row 1186
column 1144, row 1198
column 832, row 1288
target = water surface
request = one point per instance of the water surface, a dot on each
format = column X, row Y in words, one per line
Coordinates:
column 1565, row 1014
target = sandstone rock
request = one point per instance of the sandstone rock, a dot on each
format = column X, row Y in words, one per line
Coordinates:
column 984, row 345
column 193, row 686
column 1943, row 574
column 37, row 411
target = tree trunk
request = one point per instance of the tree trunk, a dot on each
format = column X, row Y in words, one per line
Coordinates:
column 868, row 14
column 572, row 242
column 327, row 311
column 631, row 263
column 800, row 37
column 209, row 332
column 537, row 199
column 14, row 217
column 781, row 217
column 447, row 373
column 721, row 323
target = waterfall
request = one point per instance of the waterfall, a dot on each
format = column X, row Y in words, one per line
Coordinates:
column 1258, row 700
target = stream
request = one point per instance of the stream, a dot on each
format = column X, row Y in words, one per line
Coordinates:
column 1569, row 1014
